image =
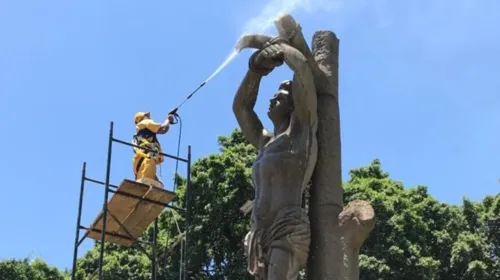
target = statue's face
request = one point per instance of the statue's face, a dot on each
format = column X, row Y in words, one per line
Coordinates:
column 281, row 104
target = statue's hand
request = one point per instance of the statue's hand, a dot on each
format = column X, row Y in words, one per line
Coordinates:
column 265, row 60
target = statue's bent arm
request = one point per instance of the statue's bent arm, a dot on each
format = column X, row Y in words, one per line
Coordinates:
column 304, row 90
column 243, row 108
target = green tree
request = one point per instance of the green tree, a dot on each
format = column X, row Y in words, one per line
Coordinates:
column 221, row 184
column 37, row 269
column 119, row 263
column 416, row 237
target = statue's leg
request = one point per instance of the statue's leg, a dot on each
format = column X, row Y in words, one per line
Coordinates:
column 282, row 265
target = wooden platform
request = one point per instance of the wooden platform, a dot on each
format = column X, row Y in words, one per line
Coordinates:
column 128, row 217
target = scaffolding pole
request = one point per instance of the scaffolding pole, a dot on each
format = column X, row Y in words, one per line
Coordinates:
column 153, row 259
column 188, row 213
column 78, row 221
column 105, row 202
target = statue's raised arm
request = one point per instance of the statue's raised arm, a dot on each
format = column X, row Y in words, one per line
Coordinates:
column 246, row 96
column 243, row 108
column 303, row 88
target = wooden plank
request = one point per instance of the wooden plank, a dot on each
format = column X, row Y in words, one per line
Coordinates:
column 120, row 206
column 133, row 214
column 145, row 212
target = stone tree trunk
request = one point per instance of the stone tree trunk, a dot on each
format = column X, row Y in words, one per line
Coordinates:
column 336, row 234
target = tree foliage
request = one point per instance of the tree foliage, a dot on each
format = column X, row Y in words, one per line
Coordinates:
column 30, row 270
column 416, row 237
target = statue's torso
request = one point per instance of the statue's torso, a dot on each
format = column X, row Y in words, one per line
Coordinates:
column 282, row 168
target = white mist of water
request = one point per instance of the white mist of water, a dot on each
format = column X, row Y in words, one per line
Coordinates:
column 274, row 8
column 265, row 19
column 228, row 59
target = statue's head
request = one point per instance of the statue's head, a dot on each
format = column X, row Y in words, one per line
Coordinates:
column 281, row 105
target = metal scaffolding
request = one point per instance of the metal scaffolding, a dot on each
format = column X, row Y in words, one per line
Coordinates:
column 114, row 189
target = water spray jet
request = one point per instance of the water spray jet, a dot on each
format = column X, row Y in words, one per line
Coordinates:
column 276, row 10
column 249, row 41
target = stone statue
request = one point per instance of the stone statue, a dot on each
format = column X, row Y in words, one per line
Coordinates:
column 278, row 244
column 305, row 114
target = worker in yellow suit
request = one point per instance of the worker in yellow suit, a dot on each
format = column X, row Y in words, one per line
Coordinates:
column 144, row 161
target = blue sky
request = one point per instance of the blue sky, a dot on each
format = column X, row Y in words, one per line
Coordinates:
column 418, row 90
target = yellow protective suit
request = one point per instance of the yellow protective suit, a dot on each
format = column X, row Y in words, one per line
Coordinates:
column 144, row 162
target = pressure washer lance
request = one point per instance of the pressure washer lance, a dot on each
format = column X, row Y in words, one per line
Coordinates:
column 174, row 111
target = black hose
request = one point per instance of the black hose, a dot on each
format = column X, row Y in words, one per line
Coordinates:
column 177, row 120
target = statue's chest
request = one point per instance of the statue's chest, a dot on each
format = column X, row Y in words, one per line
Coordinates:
column 282, row 144
column 277, row 155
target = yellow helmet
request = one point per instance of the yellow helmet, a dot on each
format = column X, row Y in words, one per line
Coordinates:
column 139, row 116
